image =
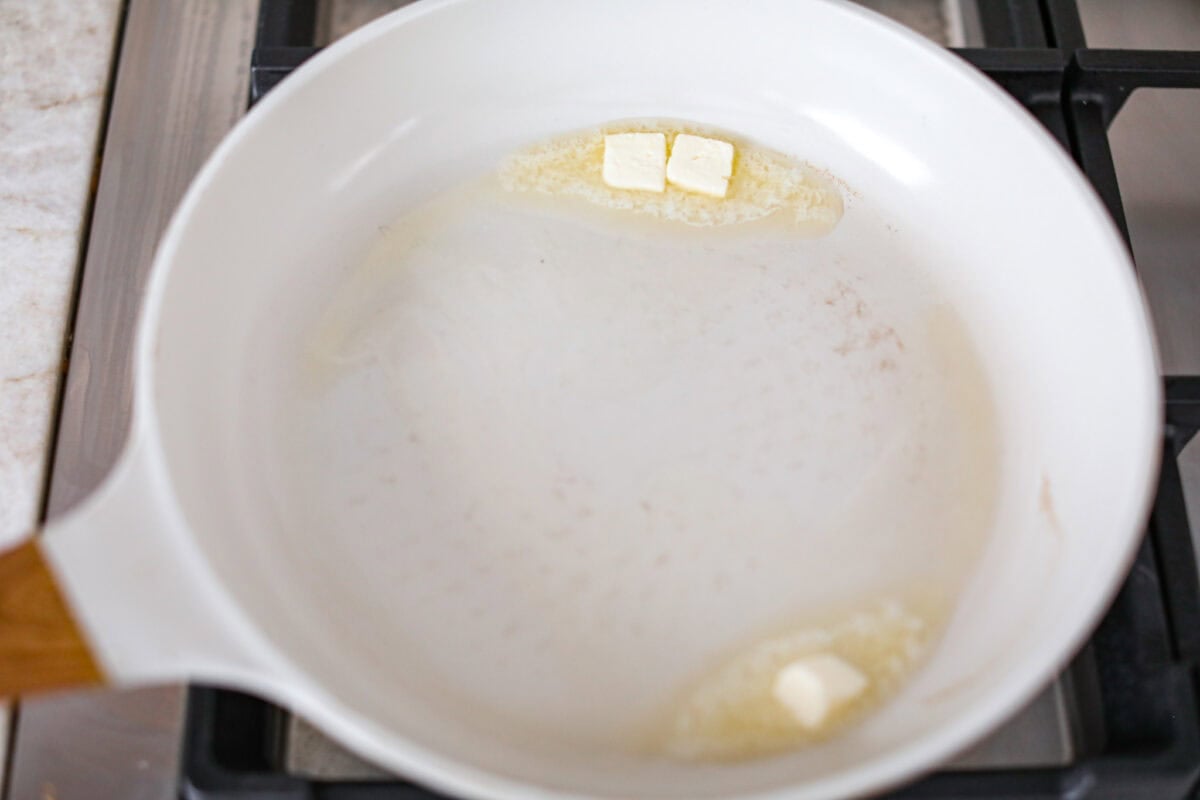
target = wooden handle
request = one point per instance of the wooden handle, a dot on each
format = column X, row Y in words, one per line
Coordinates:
column 41, row 647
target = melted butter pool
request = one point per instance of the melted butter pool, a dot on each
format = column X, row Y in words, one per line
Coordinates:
column 765, row 185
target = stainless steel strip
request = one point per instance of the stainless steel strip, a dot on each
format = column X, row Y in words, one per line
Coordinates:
column 181, row 84
column 1039, row 735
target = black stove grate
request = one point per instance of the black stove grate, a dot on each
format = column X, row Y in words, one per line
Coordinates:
column 1136, row 679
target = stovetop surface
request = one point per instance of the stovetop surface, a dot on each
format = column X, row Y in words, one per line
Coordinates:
column 1122, row 720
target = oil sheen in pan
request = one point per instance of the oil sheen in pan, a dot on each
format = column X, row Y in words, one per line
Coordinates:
column 594, row 459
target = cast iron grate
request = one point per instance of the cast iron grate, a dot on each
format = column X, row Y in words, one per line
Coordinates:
column 1136, row 679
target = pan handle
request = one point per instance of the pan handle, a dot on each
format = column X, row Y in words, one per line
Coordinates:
column 41, row 645
column 116, row 591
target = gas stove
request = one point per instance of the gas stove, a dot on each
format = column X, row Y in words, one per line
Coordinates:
column 1121, row 722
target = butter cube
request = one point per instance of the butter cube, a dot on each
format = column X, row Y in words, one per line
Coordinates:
column 635, row 161
column 700, row 164
column 811, row 688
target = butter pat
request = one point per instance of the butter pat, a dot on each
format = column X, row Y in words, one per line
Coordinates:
column 813, row 687
column 636, row 161
column 699, row 164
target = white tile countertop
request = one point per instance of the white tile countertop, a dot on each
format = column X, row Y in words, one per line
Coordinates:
column 55, row 58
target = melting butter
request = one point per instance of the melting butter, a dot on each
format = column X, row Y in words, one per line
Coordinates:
column 764, row 185
column 734, row 713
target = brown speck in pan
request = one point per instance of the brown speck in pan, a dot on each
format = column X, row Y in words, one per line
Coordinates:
column 841, row 291
column 884, row 333
column 1046, row 506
